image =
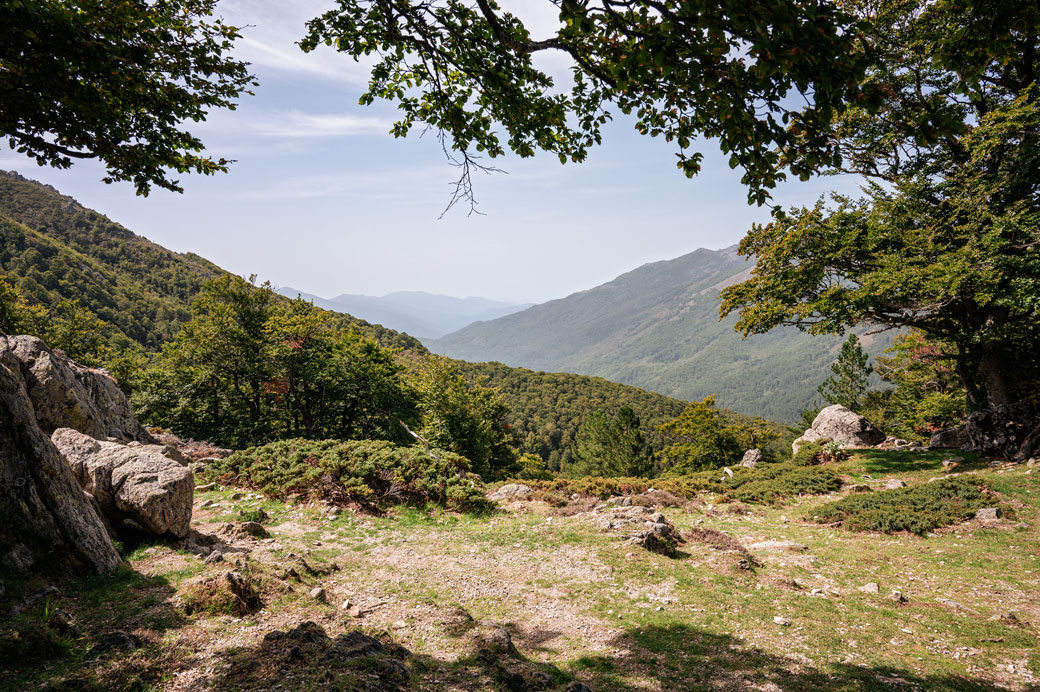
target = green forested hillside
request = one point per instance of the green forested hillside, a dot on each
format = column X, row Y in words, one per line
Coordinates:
column 657, row 327
column 548, row 408
column 53, row 248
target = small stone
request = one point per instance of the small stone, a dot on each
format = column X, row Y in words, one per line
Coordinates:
column 1008, row 618
column 870, row 587
column 894, row 484
column 782, row 621
column 204, row 488
column 253, row 529
column 215, row 556
column 345, row 605
column 400, row 625
column 318, row 594
column 237, row 496
column 988, row 514
column 897, row 597
column 576, row 686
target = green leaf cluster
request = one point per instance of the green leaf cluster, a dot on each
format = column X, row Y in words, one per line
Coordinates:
column 114, row 80
column 765, row 79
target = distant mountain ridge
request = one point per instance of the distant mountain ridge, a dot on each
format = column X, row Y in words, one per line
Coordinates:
column 418, row 313
column 657, row 327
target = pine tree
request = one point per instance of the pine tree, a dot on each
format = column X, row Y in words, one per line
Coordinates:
column 611, row 447
column 851, row 379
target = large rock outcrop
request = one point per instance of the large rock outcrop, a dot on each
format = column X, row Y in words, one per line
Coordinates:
column 131, row 482
column 45, row 518
column 842, row 426
column 65, row 394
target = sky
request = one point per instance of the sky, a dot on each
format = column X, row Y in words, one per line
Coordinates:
column 321, row 198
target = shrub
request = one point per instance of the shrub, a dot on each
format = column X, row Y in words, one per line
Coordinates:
column 821, row 451
column 918, row 510
column 363, row 471
column 784, row 482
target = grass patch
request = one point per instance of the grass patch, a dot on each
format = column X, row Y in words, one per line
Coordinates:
column 918, row 510
column 368, row 472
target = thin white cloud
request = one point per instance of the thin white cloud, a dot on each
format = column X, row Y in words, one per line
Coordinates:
column 295, row 124
column 284, row 55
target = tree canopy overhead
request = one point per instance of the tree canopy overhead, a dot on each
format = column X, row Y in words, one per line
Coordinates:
column 114, row 80
column 946, row 238
column 763, row 78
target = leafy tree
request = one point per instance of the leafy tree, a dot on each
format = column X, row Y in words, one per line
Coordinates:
column 250, row 367
column 732, row 71
column 66, row 325
column 701, row 438
column 850, row 377
column 948, row 244
column 465, row 418
column 113, row 80
column 927, row 394
column 611, row 447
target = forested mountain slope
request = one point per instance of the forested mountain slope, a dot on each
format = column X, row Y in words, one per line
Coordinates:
column 657, row 328
column 548, row 408
column 53, row 248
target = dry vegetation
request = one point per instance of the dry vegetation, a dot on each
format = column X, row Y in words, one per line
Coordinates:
column 535, row 596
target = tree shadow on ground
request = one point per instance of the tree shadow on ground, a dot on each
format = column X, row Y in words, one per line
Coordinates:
column 686, row 659
column 93, row 633
column 672, row 658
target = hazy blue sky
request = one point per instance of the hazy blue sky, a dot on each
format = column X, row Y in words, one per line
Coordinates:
column 321, row 198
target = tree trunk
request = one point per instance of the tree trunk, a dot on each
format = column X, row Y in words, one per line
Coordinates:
column 996, row 377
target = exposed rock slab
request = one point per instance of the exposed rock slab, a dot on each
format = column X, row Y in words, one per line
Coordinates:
column 138, row 483
column 750, row 458
column 44, row 516
column 843, row 426
column 65, row 394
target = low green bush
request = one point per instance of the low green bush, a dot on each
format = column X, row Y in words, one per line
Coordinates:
column 370, row 472
column 918, row 510
column 783, row 482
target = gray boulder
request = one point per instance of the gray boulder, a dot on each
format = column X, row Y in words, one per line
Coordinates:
column 65, row 394
column 751, row 457
column 512, row 492
column 45, row 519
column 137, row 483
column 841, row 425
